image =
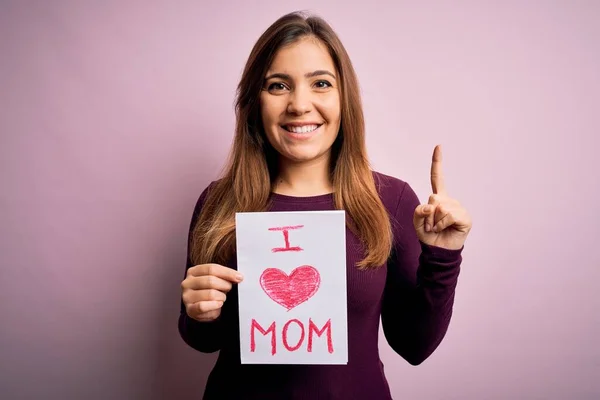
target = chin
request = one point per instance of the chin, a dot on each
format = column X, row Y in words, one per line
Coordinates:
column 304, row 156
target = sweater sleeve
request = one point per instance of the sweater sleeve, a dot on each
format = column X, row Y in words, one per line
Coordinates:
column 420, row 287
column 202, row 336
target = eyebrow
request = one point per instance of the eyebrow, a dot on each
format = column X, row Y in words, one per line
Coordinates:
column 318, row 72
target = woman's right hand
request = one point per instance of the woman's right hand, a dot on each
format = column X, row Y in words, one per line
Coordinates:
column 204, row 290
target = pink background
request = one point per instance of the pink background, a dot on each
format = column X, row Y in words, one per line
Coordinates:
column 115, row 115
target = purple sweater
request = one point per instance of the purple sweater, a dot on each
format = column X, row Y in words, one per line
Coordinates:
column 413, row 294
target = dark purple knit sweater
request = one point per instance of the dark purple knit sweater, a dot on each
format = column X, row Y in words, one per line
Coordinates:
column 413, row 294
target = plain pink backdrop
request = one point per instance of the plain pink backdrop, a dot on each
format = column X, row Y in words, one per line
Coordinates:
column 115, row 115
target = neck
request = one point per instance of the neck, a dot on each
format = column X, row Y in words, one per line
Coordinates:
column 303, row 179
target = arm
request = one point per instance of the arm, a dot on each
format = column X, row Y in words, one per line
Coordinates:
column 202, row 336
column 420, row 286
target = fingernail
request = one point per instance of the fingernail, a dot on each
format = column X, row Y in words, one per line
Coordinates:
column 239, row 277
column 427, row 227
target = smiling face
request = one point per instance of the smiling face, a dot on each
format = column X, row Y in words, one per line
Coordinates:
column 300, row 102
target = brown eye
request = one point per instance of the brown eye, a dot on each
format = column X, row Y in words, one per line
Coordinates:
column 323, row 84
column 275, row 87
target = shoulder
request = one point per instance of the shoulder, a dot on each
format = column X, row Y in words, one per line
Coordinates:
column 202, row 197
column 392, row 191
column 400, row 201
column 388, row 184
column 397, row 196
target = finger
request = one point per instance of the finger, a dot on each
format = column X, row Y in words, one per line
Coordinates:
column 461, row 221
column 194, row 296
column 437, row 177
column 421, row 213
column 207, row 282
column 446, row 221
column 419, row 216
column 220, row 271
column 208, row 316
column 430, row 220
column 201, row 307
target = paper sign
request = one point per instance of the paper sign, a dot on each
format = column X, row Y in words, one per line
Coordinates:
column 292, row 302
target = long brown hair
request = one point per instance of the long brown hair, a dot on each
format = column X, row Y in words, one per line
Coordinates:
column 252, row 165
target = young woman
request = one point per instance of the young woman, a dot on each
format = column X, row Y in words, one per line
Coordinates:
column 300, row 146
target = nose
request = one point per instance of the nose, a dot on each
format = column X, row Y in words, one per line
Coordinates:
column 299, row 101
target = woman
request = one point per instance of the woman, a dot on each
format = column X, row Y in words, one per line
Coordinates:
column 300, row 146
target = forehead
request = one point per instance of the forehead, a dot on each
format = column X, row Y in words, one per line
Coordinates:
column 305, row 55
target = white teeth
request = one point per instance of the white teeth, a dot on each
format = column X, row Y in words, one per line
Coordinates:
column 302, row 129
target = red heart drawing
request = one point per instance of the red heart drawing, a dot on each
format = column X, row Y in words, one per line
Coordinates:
column 290, row 291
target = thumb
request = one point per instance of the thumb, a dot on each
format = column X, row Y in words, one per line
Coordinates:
column 421, row 212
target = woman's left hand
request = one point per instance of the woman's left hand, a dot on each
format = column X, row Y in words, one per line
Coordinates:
column 442, row 222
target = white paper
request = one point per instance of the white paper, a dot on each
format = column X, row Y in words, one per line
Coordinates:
column 293, row 291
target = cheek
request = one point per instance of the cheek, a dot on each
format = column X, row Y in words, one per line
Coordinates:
column 268, row 120
column 270, row 110
column 330, row 109
column 265, row 112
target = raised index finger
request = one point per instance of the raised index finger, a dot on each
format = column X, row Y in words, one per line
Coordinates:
column 217, row 270
column 437, row 177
